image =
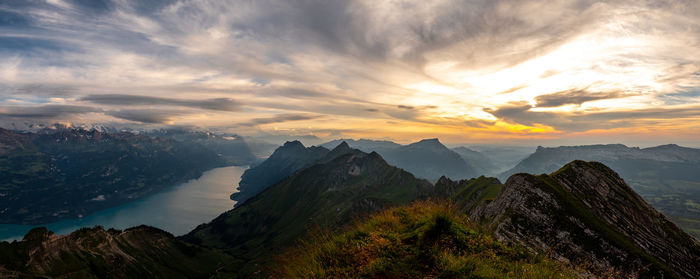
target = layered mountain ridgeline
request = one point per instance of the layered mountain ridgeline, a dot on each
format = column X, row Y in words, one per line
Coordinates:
column 480, row 159
column 423, row 240
column 667, row 176
column 481, row 163
column 430, row 159
column 232, row 148
column 503, row 157
column 427, row 158
column 328, row 194
column 69, row 173
column 585, row 214
column 140, row 252
column 365, row 145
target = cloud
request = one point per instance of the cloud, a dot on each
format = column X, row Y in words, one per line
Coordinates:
column 222, row 104
column 45, row 111
column 575, row 97
column 522, row 113
column 277, row 119
column 145, row 115
column 423, row 65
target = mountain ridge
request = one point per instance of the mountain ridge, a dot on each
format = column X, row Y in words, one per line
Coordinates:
column 603, row 221
column 667, row 175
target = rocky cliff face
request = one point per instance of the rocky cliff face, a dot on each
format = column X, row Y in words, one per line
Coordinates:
column 586, row 214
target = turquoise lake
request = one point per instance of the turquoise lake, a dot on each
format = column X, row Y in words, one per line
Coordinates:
column 177, row 209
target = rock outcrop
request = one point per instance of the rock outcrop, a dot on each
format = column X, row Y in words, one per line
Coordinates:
column 586, row 214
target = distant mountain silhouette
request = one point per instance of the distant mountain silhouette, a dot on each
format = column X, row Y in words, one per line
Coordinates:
column 478, row 161
column 427, row 158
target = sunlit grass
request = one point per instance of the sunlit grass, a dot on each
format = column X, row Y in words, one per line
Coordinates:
column 426, row 239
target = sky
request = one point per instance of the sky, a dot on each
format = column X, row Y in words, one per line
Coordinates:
column 473, row 71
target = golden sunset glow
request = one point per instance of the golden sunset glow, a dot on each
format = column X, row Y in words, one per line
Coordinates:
column 489, row 71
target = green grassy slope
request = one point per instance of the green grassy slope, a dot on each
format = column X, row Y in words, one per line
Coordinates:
column 324, row 195
column 423, row 240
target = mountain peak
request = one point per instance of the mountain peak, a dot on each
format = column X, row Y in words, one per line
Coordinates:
column 293, row 144
column 342, row 146
column 430, row 141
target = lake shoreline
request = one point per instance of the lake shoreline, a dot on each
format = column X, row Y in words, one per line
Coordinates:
column 176, row 209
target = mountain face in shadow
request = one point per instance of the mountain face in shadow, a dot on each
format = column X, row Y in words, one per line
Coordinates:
column 325, row 195
column 140, row 252
column 667, row 176
column 286, row 160
column 585, row 213
column 71, row 173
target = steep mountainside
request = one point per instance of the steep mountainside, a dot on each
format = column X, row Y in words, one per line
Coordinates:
column 140, row 252
column 327, row 194
column 285, row 161
column 71, row 173
column 667, row 176
column 586, row 214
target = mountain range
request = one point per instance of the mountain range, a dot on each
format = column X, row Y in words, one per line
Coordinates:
column 349, row 213
column 428, row 158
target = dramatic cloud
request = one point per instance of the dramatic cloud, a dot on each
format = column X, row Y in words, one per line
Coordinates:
column 223, row 104
column 464, row 70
